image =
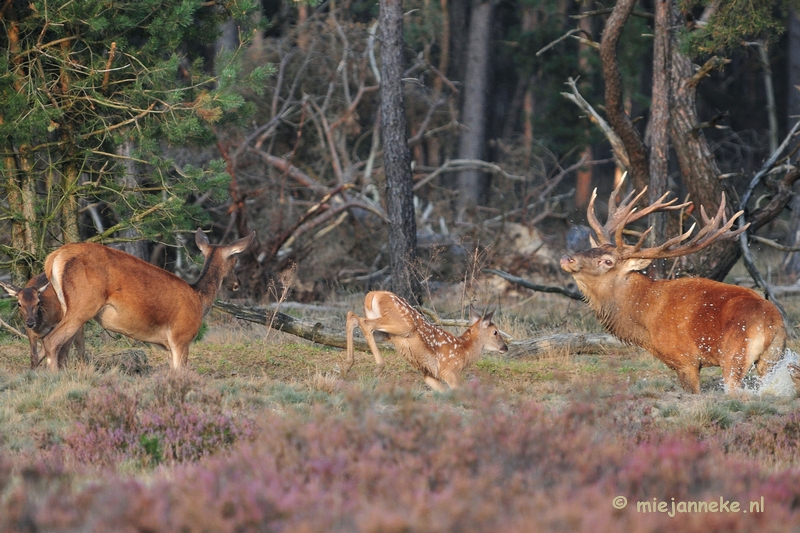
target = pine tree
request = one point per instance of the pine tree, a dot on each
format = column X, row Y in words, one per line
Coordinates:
column 93, row 91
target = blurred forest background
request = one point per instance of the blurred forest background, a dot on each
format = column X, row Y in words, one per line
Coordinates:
column 134, row 122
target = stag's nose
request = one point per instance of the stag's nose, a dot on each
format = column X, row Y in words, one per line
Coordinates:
column 567, row 262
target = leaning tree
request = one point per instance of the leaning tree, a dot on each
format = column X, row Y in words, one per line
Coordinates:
column 674, row 122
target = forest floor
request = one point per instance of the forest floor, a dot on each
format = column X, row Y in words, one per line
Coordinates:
column 263, row 434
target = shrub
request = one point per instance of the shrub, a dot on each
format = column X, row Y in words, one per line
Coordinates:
column 165, row 426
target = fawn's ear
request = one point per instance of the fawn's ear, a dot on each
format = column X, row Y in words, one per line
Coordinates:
column 487, row 319
column 474, row 316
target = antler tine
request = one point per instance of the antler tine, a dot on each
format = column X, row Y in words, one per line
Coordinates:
column 710, row 233
column 658, row 205
column 602, row 238
column 604, row 231
column 623, row 214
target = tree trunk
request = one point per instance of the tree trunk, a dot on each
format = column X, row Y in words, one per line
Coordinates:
column 698, row 164
column 792, row 264
column 617, row 117
column 134, row 245
column 473, row 184
column 70, row 231
column 396, row 156
column 657, row 137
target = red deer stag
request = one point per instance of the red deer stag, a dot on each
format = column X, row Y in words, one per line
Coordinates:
column 438, row 354
column 687, row 323
column 130, row 296
column 41, row 311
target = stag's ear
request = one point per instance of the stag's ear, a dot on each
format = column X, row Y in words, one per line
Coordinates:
column 201, row 241
column 10, row 289
column 634, row 264
column 593, row 242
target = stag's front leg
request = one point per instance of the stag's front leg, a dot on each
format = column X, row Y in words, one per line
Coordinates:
column 689, row 377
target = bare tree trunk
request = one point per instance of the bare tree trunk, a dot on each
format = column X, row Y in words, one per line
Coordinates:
column 396, row 156
column 697, row 163
column 70, row 231
column 657, row 137
column 615, row 110
column 472, row 183
column 792, row 264
column 20, row 193
column 134, row 246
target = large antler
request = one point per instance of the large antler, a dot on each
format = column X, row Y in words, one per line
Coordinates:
column 624, row 214
column 710, row 233
column 619, row 216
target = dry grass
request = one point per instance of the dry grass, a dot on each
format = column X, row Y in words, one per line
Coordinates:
column 240, row 372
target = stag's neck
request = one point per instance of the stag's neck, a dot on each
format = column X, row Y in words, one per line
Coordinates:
column 207, row 285
column 618, row 306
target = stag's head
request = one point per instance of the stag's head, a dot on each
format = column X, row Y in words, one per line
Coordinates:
column 611, row 257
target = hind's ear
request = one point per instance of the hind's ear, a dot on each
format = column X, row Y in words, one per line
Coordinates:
column 43, row 287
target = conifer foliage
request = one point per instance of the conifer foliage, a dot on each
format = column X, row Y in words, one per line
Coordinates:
column 94, row 93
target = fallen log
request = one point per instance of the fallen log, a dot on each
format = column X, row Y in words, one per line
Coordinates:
column 313, row 331
column 571, row 343
column 316, row 332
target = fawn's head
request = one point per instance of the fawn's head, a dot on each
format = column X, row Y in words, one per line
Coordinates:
column 492, row 339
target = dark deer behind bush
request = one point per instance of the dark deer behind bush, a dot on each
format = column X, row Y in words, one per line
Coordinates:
column 41, row 312
column 687, row 323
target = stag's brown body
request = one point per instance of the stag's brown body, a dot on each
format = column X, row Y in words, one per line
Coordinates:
column 687, row 323
column 41, row 312
column 130, row 296
column 437, row 354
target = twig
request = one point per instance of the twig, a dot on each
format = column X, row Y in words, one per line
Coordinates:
column 562, row 38
column 616, row 143
column 747, row 256
column 575, row 295
column 457, row 165
column 606, row 11
column 12, row 329
column 773, row 244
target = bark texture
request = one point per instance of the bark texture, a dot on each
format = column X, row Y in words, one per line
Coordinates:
column 396, row 156
column 473, row 184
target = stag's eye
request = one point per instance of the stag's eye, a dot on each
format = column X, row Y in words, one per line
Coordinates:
column 608, row 262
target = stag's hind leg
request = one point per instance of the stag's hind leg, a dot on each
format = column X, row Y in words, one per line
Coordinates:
column 774, row 353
